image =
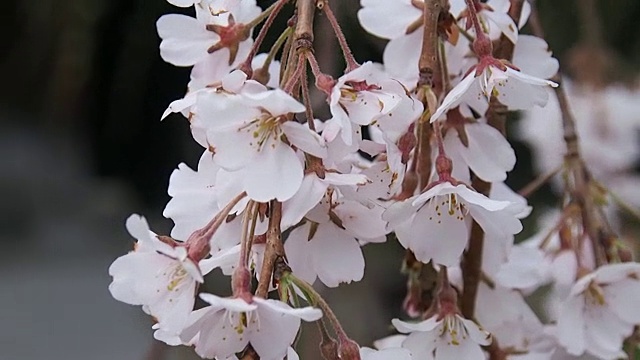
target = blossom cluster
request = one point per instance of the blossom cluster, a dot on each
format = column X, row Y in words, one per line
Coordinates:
column 285, row 200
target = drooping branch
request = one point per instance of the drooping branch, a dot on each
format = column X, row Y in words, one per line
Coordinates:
column 496, row 117
column 578, row 180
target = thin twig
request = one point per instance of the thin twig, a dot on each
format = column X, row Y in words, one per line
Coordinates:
column 578, row 178
column 352, row 64
column 274, row 11
column 533, row 186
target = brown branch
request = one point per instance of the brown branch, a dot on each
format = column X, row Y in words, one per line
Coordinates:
column 496, row 117
column 578, row 181
column 428, row 63
column 304, row 25
column 273, row 249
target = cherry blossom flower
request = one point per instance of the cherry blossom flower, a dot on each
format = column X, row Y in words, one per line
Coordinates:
column 326, row 252
column 246, row 132
column 158, row 276
column 483, row 149
column 366, row 95
column 197, row 196
column 229, row 324
column 218, row 25
column 511, row 321
column 601, row 311
column 444, row 337
column 435, row 225
column 328, row 245
column 513, row 88
column 311, row 192
column 494, row 14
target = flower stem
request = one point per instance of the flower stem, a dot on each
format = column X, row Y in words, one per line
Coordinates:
column 264, row 70
column 352, row 64
column 294, row 79
column 316, row 300
column 482, row 44
column 538, row 182
column 248, row 228
column 271, row 12
column 198, row 242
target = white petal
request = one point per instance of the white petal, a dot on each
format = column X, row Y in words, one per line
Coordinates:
column 180, row 105
column 345, row 179
column 234, row 148
column 292, row 354
column 605, row 331
column 422, row 344
column 234, row 81
column 307, row 313
column 438, row 235
column 407, row 327
column 476, row 198
column 231, row 304
column 497, row 223
column 617, row 272
column 571, row 333
column 337, row 257
column 466, row 349
column 275, row 173
column 183, row 3
column 275, row 329
column 399, row 212
column 225, row 259
column 299, row 256
column 622, row 298
column 308, row 196
column 185, row 39
column 304, row 139
column 523, row 270
column 532, row 56
column 478, row 335
column 454, row 96
column 396, row 18
column 138, row 227
column 401, row 57
column 361, row 221
column 276, row 102
column 489, row 154
column 504, row 23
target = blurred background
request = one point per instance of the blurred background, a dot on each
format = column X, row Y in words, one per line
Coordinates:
column 82, row 147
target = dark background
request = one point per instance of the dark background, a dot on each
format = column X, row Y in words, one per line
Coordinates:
column 81, row 147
